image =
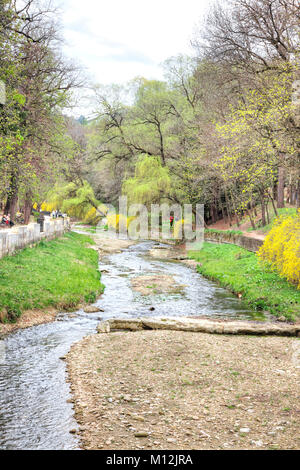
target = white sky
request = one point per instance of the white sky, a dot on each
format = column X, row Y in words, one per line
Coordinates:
column 117, row 40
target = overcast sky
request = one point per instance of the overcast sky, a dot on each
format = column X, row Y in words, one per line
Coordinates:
column 117, row 40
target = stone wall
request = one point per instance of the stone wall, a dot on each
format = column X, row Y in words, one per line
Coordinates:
column 250, row 244
column 19, row 237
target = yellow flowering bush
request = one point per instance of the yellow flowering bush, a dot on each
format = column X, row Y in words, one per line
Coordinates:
column 282, row 248
column 47, row 207
column 178, row 229
column 92, row 217
column 114, row 220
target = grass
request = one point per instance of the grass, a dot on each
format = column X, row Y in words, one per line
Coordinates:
column 267, row 228
column 240, row 271
column 86, row 227
column 61, row 273
column 228, row 232
column 273, row 217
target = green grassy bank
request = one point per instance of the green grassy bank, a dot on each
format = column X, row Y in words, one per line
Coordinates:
column 240, row 271
column 61, row 273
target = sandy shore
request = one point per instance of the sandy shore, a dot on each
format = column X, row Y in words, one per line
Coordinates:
column 183, row 390
column 111, row 245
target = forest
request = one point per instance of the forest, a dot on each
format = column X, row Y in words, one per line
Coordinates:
column 221, row 129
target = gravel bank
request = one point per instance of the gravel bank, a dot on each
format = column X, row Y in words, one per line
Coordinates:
column 184, row 390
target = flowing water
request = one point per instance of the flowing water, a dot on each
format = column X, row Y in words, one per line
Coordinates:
column 34, row 413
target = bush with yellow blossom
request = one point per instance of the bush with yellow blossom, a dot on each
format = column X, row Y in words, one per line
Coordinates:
column 282, row 248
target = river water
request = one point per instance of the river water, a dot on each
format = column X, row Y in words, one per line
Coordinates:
column 34, row 413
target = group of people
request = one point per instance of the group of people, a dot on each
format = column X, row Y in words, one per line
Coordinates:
column 6, row 220
column 57, row 213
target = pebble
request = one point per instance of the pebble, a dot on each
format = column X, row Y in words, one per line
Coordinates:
column 141, row 434
column 282, row 319
column 257, row 443
column 139, row 418
column 280, row 372
column 204, row 435
column 127, row 398
column 244, row 430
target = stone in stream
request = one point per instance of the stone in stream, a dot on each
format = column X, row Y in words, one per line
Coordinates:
column 104, row 327
column 92, row 309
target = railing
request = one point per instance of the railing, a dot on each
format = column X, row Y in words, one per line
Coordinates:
column 19, row 237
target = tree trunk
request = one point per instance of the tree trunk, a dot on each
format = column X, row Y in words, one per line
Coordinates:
column 12, row 198
column 267, row 211
column 280, row 187
column 293, row 195
column 27, row 210
column 251, row 219
column 274, row 206
column 228, row 208
column 298, row 194
column 235, row 210
column 263, row 209
column 213, row 213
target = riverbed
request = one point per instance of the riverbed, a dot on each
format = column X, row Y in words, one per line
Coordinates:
column 35, row 412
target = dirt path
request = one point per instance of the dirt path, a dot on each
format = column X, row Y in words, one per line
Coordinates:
column 222, row 225
column 184, row 390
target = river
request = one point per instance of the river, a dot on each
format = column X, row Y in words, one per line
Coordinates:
column 34, row 393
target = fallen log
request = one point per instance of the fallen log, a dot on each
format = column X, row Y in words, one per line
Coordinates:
column 229, row 327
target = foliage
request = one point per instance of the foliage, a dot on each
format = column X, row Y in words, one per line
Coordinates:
column 281, row 247
column 150, row 183
column 35, row 146
column 115, row 220
column 255, row 135
column 77, row 201
column 92, row 217
column 178, row 229
column 273, row 218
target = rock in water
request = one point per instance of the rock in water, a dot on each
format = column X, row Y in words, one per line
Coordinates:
column 92, row 309
column 103, row 327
